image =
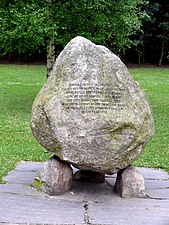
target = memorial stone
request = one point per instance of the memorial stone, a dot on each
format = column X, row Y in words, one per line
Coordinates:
column 91, row 113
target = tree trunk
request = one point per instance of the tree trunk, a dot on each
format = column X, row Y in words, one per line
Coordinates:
column 140, row 55
column 161, row 54
column 9, row 57
column 25, row 57
column 50, row 56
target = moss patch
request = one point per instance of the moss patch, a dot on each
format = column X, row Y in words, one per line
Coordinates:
column 38, row 184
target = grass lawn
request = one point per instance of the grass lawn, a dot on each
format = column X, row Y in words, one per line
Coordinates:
column 155, row 83
column 20, row 84
column 18, row 87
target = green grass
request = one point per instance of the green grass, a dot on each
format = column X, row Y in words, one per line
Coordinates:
column 155, row 83
column 19, row 86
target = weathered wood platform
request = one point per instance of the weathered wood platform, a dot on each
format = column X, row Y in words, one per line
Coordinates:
column 21, row 204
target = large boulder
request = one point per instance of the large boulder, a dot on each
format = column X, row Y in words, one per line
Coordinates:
column 91, row 113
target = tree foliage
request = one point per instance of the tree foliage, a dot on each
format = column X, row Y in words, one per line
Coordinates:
column 22, row 27
column 27, row 25
column 153, row 41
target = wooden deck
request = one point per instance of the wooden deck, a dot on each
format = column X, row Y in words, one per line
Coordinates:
column 84, row 204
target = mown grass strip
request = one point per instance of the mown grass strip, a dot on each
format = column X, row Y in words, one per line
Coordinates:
column 19, row 85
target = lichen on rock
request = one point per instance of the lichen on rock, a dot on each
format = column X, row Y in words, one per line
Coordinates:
column 91, row 113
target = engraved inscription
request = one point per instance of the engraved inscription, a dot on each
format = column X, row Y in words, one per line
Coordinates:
column 93, row 97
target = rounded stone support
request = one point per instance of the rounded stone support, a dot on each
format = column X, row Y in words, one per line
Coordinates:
column 55, row 177
column 130, row 183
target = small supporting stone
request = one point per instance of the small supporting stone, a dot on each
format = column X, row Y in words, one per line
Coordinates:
column 130, row 183
column 55, row 177
column 89, row 176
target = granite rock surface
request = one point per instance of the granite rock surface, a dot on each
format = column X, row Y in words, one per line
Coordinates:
column 55, row 177
column 90, row 112
column 130, row 183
